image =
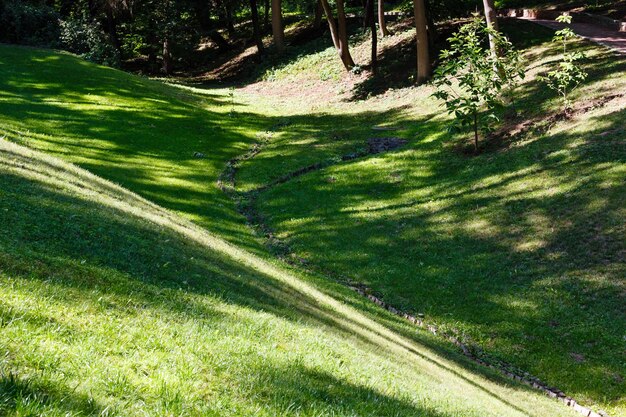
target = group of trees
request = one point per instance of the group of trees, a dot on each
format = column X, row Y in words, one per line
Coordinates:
column 168, row 31
column 339, row 33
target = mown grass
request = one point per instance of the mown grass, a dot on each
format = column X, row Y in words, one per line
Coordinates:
column 520, row 249
column 124, row 324
column 162, row 302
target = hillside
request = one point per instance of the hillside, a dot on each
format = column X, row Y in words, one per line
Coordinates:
column 519, row 250
column 121, row 296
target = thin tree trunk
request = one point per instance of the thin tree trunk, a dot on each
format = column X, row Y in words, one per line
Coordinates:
column 332, row 26
column 371, row 22
column 475, row 132
column 92, row 8
column 492, row 22
column 381, row 19
column 167, row 57
column 344, row 48
column 256, row 30
column 204, row 11
column 65, row 7
column 277, row 26
column 319, row 11
column 154, row 44
column 423, row 54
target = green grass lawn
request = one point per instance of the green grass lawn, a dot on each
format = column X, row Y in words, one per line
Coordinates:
column 520, row 249
column 163, row 302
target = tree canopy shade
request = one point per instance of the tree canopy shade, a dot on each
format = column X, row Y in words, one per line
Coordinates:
column 163, row 35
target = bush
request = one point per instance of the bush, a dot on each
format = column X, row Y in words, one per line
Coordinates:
column 86, row 38
column 28, row 24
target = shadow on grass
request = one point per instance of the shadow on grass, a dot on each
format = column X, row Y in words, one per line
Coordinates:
column 79, row 246
column 395, row 69
column 137, row 133
column 299, row 389
column 483, row 245
column 473, row 277
column 497, row 260
column 22, row 397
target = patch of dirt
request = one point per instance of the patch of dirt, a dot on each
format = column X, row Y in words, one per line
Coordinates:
column 378, row 145
column 311, row 93
column 516, row 128
column 396, row 58
column 229, row 66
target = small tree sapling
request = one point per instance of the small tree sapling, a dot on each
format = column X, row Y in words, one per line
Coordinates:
column 470, row 78
column 568, row 74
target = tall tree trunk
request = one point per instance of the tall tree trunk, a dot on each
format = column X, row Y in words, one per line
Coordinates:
column 277, row 26
column 256, row 30
column 492, row 22
column 344, row 48
column 319, row 10
column 332, row 26
column 266, row 17
column 221, row 13
column 167, row 57
column 381, row 19
column 423, row 53
column 230, row 22
column 112, row 29
column 433, row 36
column 371, row 22
column 205, row 21
column 222, row 43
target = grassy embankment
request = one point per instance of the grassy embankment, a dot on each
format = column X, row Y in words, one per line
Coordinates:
column 116, row 303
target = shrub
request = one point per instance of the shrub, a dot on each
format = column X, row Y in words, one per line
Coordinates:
column 86, row 38
column 28, row 24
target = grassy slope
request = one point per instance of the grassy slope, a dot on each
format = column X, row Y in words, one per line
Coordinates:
column 520, row 249
column 111, row 305
column 137, row 133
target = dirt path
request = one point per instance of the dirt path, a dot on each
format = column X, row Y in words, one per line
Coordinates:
column 598, row 34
